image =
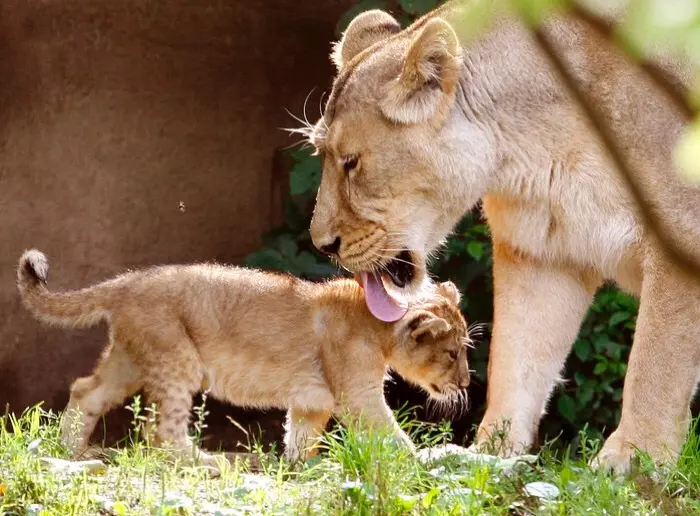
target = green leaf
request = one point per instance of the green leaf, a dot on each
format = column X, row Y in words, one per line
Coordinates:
column 614, row 350
column 294, row 218
column 405, row 20
column 475, row 249
column 266, row 259
column 686, row 154
column 306, row 262
column 407, row 502
column 119, row 508
column 627, row 301
column 618, row 317
column 287, row 246
column 567, row 407
column 582, row 349
column 600, row 343
column 586, row 392
column 430, row 496
column 324, row 270
column 305, row 176
column 480, row 229
column 566, row 475
column 600, row 368
column 535, row 10
column 417, row 7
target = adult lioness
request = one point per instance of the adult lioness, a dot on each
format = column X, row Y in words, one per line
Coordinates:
column 419, row 126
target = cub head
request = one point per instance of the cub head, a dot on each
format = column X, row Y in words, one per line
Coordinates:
column 392, row 149
column 432, row 344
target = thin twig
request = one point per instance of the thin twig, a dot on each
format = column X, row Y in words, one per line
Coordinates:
column 674, row 89
column 681, row 258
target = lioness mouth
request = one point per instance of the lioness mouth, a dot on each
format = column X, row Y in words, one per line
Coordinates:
column 400, row 270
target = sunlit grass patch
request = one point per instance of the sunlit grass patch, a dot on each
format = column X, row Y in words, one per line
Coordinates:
column 356, row 473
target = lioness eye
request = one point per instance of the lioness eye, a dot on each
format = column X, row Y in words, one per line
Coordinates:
column 349, row 163
column 454, row 354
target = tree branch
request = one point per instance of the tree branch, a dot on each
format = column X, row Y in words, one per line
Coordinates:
column 675, row 91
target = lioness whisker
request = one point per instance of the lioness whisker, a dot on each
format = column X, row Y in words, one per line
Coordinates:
column 388, row 257
column 306, row 128
column 306, row 100
column 398, row 250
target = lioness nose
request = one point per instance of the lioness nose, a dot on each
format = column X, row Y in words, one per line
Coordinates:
column 464, row 382
column 331, row 248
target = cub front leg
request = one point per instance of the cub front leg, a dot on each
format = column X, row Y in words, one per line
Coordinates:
column 538, row 310
column 302, row 430
column 663, row 370
column 373, row 413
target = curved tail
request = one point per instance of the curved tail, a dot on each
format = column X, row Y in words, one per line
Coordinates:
column 77, row 308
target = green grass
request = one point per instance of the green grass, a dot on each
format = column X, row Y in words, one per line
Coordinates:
column 357, row 473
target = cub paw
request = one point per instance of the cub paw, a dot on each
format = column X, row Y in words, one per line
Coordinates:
column 213, row 463
column 498, row 447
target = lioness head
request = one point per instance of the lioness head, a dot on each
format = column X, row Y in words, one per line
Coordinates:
column 393, row 146
column 432, row 344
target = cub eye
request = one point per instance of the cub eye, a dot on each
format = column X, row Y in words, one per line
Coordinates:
column 349, row 163
column 454, row 354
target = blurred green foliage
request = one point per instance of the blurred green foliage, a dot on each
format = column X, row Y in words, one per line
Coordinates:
column 590, row 396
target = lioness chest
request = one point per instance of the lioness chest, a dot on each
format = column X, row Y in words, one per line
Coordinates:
column 584, row 235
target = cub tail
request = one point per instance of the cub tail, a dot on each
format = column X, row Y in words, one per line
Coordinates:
column 72, row 309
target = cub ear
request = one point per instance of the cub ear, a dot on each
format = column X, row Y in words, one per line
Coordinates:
column 450, row 291
column 422, row 322
column 426, row 87
column 364, row 30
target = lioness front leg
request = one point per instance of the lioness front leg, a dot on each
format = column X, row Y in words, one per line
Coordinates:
column 662, row 372
column 538, row 311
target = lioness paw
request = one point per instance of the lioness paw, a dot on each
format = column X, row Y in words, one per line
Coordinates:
column 619, row 452
column 615, row 456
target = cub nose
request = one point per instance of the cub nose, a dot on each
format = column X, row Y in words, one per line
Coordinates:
column 331, row 248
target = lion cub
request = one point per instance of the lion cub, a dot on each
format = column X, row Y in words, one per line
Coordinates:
column 253, row 339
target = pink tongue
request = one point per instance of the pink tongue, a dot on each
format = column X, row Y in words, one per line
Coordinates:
column 380, row 303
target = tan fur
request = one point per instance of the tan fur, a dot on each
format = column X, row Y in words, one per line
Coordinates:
column 252, row 338
column 507, row 131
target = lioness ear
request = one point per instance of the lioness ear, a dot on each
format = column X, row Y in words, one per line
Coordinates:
column 364, row 30
column 426, row 86
column 422, row 322
column 450, row 291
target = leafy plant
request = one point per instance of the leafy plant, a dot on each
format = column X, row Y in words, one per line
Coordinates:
column 596, row 367
column 289, row 248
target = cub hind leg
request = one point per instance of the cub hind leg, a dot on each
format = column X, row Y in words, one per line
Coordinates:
column 173, row 374
column 114, row 379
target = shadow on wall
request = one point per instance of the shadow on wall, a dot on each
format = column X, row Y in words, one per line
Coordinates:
column 135, row 133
